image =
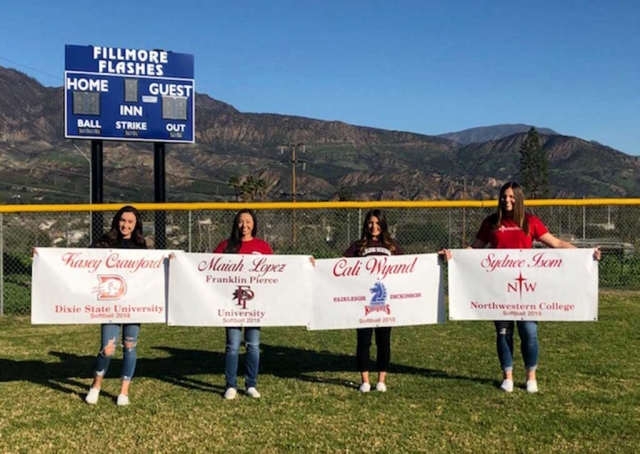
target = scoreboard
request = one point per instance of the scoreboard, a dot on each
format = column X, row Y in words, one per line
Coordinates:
column 129, row 94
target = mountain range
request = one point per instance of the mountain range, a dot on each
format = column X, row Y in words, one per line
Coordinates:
column 495, row 132
column 38, row 165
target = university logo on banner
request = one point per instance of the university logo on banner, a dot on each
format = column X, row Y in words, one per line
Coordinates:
column 110, row 287
column 98, row 286
column 531, row 284
column 239, row 290
column 362, row 292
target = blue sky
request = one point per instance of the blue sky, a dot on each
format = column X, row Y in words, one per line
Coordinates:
column 423, row 66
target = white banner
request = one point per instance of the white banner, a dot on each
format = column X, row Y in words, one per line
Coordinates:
column 239, row 290
column 98, row 286
column 531, row 284
column 363, row 292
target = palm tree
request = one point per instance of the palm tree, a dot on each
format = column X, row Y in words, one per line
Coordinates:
column 261, row 188
column 249, row 188
column 234, row 183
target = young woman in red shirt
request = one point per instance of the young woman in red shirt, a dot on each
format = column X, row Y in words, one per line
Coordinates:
column 242, row 241
column 374, row 240
column 511, row 228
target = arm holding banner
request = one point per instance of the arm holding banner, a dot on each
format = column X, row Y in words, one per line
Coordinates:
column 553, row 242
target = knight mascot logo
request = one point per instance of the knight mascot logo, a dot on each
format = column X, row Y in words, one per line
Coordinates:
column 378, row 300
column 110, row 287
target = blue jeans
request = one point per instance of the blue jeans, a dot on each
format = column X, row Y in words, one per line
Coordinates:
column 252, row 343
column 528, row 332
column 129, row 346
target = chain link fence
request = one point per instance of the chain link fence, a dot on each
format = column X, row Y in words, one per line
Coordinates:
column 322, row 232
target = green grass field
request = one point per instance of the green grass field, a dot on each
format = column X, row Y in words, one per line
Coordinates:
column 442, row 397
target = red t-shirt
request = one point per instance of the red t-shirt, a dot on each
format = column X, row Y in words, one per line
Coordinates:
column 509, row 235
column 253, row 246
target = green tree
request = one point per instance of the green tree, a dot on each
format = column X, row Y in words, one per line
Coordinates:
column 249, row 188
column 261, row 188
column 534, row 167
column 345, row 194
column 234, row 183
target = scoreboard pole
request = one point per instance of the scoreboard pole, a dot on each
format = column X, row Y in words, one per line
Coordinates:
column 97, row 195
column 160, row 196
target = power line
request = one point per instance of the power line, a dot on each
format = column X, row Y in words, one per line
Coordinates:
column 31, row 68
column 39, row 188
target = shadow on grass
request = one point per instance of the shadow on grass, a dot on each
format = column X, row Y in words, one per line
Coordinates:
column 182, row 364
column 308, row 365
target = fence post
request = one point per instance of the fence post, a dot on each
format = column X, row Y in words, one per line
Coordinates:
column 189, row 230
column 449, row 244
column 584, row 221
column 1, row 264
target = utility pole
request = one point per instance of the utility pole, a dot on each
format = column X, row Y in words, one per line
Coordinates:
column 90, row 186
column 293, row 194
column 294, row 188
column 464, row 211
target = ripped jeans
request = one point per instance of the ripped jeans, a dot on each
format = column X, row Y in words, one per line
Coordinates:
column 252, row 343
column 129, row 346
column 528, row 332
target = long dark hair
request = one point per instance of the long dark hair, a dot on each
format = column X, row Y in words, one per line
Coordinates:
column 384, row 237
column 113, row 237
column 235, row 239
column 518, row 213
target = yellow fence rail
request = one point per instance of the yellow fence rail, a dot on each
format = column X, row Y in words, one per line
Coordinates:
column 491, row 203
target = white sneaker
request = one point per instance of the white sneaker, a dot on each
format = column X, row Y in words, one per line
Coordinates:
column 380, row 386
column 507, row 386
column 230, row 393
column 122, row 400
column 532, row 386
column 364, row 388
column 253, row 392
column 92, row 396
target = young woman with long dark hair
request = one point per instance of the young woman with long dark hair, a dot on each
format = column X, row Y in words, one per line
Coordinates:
column 125, row 233
column 510, row 227
column 242, row 240
column 374, row 240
